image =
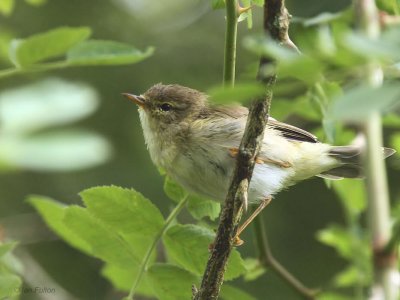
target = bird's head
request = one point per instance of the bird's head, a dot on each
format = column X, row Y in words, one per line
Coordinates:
column 166, row 105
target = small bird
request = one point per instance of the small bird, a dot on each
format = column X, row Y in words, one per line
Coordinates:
column 196, row 143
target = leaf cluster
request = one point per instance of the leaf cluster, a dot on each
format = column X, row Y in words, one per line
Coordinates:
column 122, row 227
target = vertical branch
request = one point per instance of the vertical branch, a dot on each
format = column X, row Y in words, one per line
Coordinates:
column 378, row 196
column 276, row 23
column 230, row 42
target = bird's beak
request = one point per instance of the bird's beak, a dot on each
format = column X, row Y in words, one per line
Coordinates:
column 139, row 100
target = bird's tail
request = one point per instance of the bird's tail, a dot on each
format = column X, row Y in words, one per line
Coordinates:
column 349, row 158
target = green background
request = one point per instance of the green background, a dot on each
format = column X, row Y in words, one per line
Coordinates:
column 189, row 38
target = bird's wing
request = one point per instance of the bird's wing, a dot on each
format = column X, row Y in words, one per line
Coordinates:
column 225, row 130
column 292, row 132
column 288, row 131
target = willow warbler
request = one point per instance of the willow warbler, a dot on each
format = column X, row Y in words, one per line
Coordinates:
column 196, row 143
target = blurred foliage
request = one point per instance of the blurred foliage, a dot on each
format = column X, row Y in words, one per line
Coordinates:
column 28, row 112
column 318, row 90
column 10, row 282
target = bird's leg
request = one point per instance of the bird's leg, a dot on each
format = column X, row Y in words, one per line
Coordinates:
column 237, row 240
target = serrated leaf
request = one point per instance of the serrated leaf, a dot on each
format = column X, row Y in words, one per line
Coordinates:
column 358, row 103
column 217, row 4
column 241, row 92
column 200, row 207
column 171, row 282
column 121, row 278
column 7, row 7
column 127, row 212
column 104, row 242
column 173, row 190
column 9, row 285
column 229, row 292
column 53, row 213
column 188, row 246
column 98, row 52
column 50, row 44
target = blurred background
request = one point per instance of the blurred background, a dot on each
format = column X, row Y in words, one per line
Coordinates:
column 88, row 135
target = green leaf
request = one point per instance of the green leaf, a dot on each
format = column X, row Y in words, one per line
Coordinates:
column 105, row 243
column 121, row 278
column 7, row 7
column 241, row 92
column 262, row 45
column 338, row 238
column 333, row 296
column 98, row 52
column 217, row 4
column 258, row 2
column 10, row 285
column 391, row 120
column 359, row 102
column 200, row 207
column 7, row 247
column 248, row 15
column 254, row 269
column 188, row 246
column 173, row 190
column 322, row 18
column 53, row 213
column 127, row 212
column 36, row 2
column 49, row 102
column 55, row 151
column 229, row 292
column 42, row 46
column 384, row 48
column 171, row 282
column 352, row 196
column 395, row 141
column 350, row 277
column 302, row 67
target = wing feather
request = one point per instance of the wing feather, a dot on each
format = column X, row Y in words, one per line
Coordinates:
column 292, row 132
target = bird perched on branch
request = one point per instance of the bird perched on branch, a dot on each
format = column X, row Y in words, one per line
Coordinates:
column 196, row 143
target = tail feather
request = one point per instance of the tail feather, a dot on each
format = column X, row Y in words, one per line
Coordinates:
column 349, row 158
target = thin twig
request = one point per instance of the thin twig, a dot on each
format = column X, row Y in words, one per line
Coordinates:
column 268, row 259
column 146, row 258
column 378, row 196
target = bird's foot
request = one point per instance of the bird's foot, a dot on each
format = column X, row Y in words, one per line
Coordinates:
column 237, row 241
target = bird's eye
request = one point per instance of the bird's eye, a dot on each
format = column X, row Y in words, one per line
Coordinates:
column 165, row 107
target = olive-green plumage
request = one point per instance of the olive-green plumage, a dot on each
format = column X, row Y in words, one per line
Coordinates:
column 196, row 143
